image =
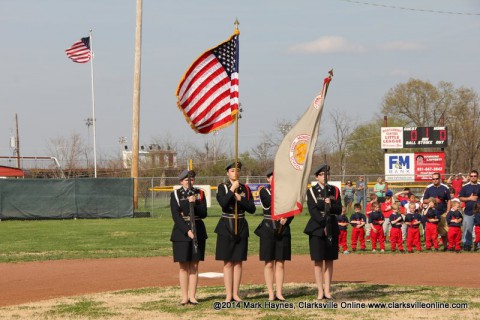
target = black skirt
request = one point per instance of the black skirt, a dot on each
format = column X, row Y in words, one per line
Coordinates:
column 183, row 251
column 322, row 249
column 230, row 248
column 276, row 248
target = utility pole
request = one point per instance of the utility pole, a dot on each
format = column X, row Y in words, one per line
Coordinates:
column 136, row 102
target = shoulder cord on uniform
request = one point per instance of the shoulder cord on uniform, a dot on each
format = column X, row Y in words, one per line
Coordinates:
column 261, row 203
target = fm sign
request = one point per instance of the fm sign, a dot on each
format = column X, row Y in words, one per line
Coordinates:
column 399, row 164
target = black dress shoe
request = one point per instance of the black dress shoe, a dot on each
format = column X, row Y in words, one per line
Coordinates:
column 328, row 298
column 278, row 299
column 193, row 302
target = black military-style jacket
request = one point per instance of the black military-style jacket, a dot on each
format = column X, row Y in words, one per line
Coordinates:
column 180, row 208
column 319, row 219
column 269, row 228
column 226, row 199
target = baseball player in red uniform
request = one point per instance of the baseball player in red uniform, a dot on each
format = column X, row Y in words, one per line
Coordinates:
column 358, row 221
column 342, row 225
column 454, row 221
column 431, row 230
column 413, row 221
column 376, row 221
column 396, row 220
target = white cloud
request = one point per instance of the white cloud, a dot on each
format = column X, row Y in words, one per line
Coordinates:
column 401, row 46
column 331, row 44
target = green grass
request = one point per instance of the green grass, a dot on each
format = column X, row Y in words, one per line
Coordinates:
column 83, row 308
column 38, row 240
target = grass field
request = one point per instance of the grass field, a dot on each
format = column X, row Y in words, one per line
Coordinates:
column 145, row 237
column 38, row 240
column 111, row 238
column 354, row 301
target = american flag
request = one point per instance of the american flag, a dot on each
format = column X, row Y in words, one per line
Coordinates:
column 208, row 92
column 80, row 51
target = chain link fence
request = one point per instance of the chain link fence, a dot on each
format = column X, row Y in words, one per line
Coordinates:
column 154, row 192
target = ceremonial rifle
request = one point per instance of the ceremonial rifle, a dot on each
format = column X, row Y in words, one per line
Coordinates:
column 191, row 192
column 328, row 229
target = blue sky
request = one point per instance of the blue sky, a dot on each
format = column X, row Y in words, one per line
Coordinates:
column 286, row 49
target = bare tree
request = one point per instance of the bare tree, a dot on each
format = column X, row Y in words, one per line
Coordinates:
column 71, row 152
column 343, row 128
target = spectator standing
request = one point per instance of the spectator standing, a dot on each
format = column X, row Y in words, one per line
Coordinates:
column 470, row 195
column 348, row 195
column 457, row 182
column 360, row 188
column 379, row 188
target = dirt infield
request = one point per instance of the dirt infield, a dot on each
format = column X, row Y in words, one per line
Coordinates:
column 35, row 281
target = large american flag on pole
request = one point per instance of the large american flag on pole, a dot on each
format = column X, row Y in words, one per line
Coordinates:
column 80, row 51
column 208, row 92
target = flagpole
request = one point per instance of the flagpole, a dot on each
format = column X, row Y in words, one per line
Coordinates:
column 93, row 110
column 236, row 23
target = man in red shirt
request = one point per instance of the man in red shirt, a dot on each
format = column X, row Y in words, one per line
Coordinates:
column 457, row 182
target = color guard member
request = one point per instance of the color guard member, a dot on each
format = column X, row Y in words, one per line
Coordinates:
column 322, row 229
column 182, row 235
column 275, row 243
column 232, row 243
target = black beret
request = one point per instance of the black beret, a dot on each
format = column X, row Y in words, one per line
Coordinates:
column 269, row 173
column 232, row 165
column 184, row 174
column 321, row 168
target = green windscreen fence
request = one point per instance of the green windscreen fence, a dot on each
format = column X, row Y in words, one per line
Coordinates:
column 66, row 199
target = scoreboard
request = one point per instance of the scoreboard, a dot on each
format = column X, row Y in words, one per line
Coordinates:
column 425, row 137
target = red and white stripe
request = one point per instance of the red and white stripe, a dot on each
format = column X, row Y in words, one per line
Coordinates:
column 207, row 96
column 79, row 52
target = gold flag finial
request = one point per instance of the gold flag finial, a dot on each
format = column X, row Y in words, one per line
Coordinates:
column 330, row 73
column 236, row 23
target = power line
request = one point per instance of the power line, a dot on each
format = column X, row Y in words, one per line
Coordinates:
column 412, row 9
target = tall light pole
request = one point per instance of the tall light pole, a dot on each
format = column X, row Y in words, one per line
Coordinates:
column 136, row 102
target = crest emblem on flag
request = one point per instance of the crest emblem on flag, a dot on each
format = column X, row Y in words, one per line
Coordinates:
column 298, row 151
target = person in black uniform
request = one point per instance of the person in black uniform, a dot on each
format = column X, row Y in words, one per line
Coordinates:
column 182, row 235
column 232, row 239
column 275, row 243
column 322, row 229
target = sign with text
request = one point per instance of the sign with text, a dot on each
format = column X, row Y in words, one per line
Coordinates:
column 425, row 137
column 427, row 163
column 392, row 137
column 409, row 167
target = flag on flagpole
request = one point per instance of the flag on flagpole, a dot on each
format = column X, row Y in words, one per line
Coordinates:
column 293, row 160
column 80, row 51
column 208, row 92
